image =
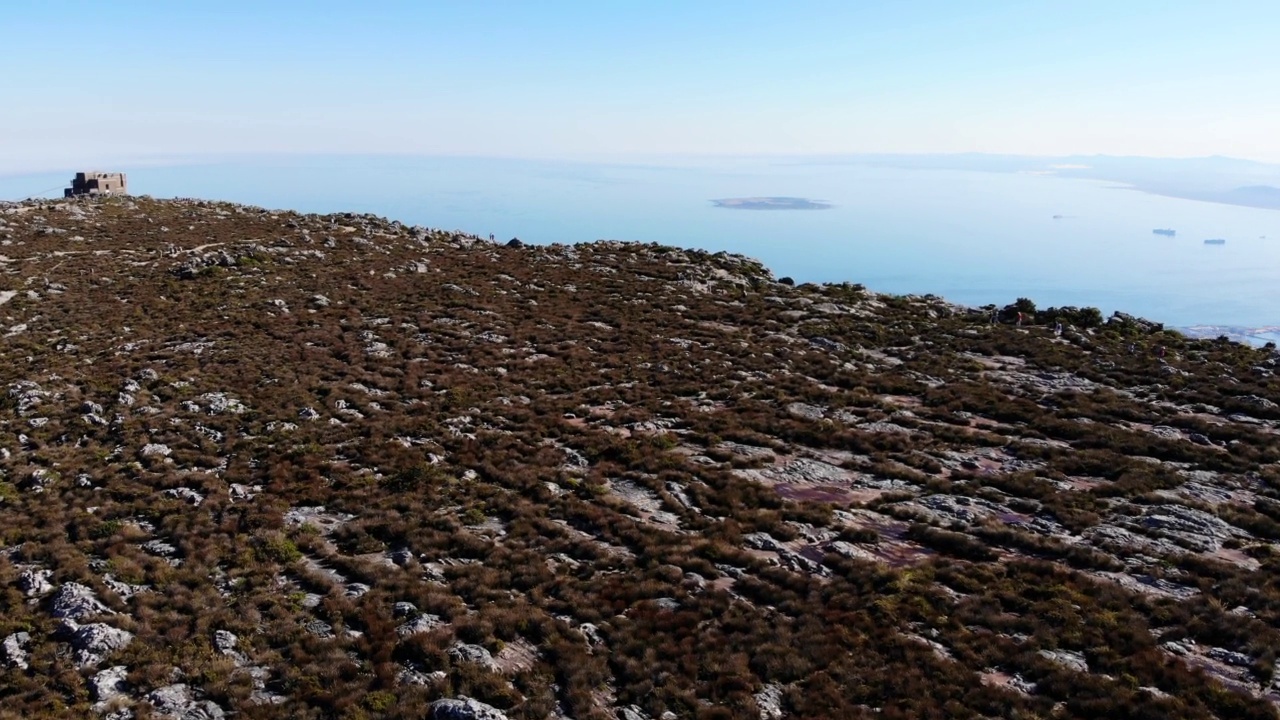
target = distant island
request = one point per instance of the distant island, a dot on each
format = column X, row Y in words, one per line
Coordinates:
column 771, row 203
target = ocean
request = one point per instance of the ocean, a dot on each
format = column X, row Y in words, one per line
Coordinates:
column 971, row 237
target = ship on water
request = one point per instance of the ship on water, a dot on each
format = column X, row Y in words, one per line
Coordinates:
column 1215, row 241
column 1165, row 231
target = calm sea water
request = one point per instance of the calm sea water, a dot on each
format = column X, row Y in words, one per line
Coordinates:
column 971, row 237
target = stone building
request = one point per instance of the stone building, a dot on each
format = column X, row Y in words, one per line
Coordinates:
column 97, row 183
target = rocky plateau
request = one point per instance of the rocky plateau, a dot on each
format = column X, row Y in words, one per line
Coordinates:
column 262, row 464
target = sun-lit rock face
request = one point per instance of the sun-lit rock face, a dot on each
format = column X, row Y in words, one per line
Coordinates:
column 257, row 463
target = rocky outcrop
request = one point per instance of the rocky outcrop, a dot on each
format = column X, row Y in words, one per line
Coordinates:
column 77, row 602
column 582, row 454
column 1066, row 658
column 176, row 702
column 769, row 702
column 94, row 642
column 228, row 644
column 1196, row 529
column 474, row 654
column 34, row 582
column 464, row 708
column 107, row 686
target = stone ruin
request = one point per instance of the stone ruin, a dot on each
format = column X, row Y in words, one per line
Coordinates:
column 97, row 183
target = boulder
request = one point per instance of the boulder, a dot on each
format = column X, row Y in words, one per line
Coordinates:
column 15, row 650
column 175, row 701
column 108, row 685
column 227, row 643
column 804, row 411
column 123, row 589
column 225, row 640
column 475, row 654
column 1230, row 657
column 592, row 633
column 1066, row 658
column 1141, row 324
column 762, row 541
column 1258, row 402
column 186, row 495
column 769, row 702
column 465, row 708
column 160, row 548
column 828, row 344
column 420, row 624
column 414, row 676
column 95, row 641
column 77, row 602
column 220, row 403
column 156, row 450
column 35, row 581
column 243, row 493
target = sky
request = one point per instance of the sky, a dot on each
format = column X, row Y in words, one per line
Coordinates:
column 136, row 81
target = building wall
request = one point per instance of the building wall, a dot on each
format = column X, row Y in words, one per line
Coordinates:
column 93, row 183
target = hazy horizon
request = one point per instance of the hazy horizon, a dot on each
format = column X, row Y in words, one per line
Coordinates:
column 1216, row 179
column 133, row 80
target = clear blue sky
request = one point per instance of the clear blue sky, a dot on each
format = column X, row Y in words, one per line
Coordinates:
column 124, row 79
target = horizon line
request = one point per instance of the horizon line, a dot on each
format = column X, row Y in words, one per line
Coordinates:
column 180, row 159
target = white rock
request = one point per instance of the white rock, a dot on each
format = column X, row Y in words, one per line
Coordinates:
column 77, row 602
column 94, row 642
column 769, row 702
column 420, row 624
column 175, row 701
column 220, row 403
column 465, row 708
column 35, row 581
column 15, row 651
column 243, row 492
column 1066, row 658
column 467, row 653
column 156, row 450
column 185, row 494
column 631, row 712
column 107, row 685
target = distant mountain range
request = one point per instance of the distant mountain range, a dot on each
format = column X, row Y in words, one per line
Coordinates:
column 1210, row 179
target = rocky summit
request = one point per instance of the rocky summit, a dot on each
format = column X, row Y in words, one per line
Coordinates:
column 263, row 464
